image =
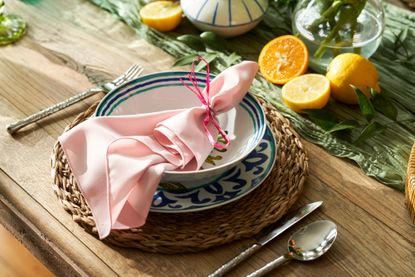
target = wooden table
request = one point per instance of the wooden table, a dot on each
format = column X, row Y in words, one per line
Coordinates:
column 68, row 47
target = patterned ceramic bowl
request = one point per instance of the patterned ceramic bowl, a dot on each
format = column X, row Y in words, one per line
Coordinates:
column 225, row 17
column 244, row 124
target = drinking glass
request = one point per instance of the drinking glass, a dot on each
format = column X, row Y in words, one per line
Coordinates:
column 12, row 27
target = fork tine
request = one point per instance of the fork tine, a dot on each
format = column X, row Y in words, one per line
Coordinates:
column 127, row 75
column 131, row 69
column 138, row 73
column 134, row 72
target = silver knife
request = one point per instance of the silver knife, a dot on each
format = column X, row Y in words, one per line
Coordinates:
column 297, row 216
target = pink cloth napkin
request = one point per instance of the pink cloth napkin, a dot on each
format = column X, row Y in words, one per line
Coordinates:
column 118, row 161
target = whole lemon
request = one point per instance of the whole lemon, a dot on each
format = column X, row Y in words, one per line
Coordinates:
column 351, row 69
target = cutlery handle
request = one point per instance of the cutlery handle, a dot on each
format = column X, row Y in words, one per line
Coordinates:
column 236, row 260
column 12, row 128
column 270, row 266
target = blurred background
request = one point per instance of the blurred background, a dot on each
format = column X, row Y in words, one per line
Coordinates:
column 16, row 260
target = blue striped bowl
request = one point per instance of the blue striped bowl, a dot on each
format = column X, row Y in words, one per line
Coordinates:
column 225, row 17
column 245, row 124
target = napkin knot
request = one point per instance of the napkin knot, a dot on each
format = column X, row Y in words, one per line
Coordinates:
column 204, row 98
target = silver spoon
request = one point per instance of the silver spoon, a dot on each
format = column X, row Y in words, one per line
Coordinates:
column 307, row 244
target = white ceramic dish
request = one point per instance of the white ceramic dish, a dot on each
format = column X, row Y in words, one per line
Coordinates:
column 232, row 185
column 245, row 124
column 227, row 18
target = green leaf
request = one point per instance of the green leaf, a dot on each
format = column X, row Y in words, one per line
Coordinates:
column 343, row 125
column 401, row 37
column 383, row 104
column 411, row 59
column 365, row 105
column 193, row 41
column 213, row 41
column 320, row 114
column 369, row 131
column 388, row 42
column 209, row 57
column 186, row 60
column 323, row 118
column 400, row 47
column 231, row 59
column 326, row 125
column 328, row 121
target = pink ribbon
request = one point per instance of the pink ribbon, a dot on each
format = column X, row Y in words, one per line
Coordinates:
column 210, row 116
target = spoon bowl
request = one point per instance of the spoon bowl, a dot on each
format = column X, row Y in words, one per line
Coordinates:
column 312, row 241
column 307, row 244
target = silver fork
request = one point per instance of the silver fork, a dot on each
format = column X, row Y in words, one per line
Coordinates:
column 133, row 72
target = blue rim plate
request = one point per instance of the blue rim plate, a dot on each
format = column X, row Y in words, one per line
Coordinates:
column 164, row 90
column 234, row 184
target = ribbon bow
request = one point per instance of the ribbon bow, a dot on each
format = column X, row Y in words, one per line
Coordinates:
column 210, row 116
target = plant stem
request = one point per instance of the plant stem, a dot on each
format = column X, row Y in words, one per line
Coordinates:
column 327, row 14
column 323, row 45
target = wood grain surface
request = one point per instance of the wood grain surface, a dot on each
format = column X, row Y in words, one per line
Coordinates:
column 72, row 45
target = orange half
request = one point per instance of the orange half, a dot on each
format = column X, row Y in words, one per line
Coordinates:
column 283, row 58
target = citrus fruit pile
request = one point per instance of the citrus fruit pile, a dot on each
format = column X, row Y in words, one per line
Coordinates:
column 284, row 60
column 163, row 16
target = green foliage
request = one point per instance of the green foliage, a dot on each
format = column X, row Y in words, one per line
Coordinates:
column 330, row 122
column 372, row 129
column 208, row 45
column 193, row 41
column 186, row 60
column 209, row 57
column 401, row 48
column 366, row 107
column 286, row 3
column 383, row 104
column 213, row 41
column 337, row 14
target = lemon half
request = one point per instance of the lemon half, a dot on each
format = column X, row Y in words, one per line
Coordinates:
column 163, row 16
column 309, row 91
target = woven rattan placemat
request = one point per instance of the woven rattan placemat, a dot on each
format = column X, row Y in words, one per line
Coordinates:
column 190, row 232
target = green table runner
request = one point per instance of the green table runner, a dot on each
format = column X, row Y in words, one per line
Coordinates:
column 383, row 156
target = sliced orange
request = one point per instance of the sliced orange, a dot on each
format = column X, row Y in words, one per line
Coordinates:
column 282, row 59
column 163, row 16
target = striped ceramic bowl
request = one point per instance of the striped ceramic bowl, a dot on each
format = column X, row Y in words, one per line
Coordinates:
column 225, row 17
column 245, row 124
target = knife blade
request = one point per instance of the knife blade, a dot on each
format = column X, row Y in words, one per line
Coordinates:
column 292, row 219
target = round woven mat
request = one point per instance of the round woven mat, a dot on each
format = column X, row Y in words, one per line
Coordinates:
column 410, row 184
column 190, row 232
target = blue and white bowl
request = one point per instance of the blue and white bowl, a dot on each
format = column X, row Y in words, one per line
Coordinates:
column 245, row 124
column 225, row 17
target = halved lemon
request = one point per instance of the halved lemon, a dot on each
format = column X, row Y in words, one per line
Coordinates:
column 309, row 91
column 163, row 16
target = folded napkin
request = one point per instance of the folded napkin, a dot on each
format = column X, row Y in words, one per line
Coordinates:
column 118, row 161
